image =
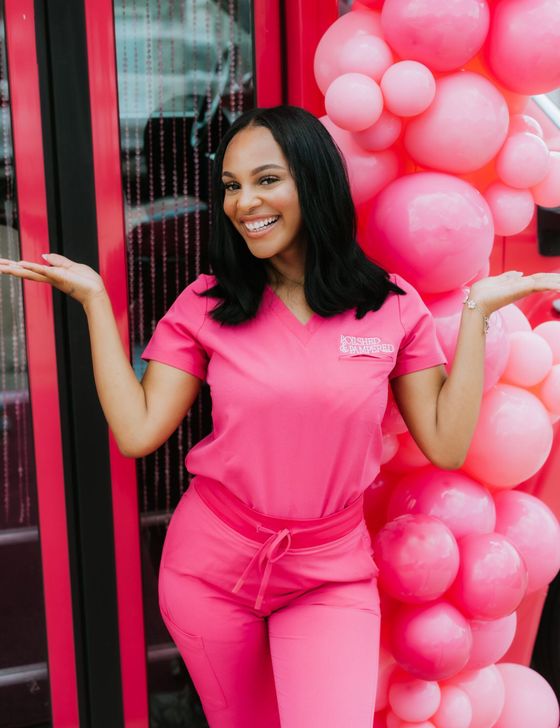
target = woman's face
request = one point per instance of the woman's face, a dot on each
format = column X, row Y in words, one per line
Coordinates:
column 261, row 198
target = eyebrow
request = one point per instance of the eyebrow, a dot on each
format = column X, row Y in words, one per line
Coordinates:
column 256, row 170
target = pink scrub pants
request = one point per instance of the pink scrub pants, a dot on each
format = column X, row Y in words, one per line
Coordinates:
column 277, row 620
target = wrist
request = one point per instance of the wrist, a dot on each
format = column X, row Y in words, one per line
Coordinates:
column 471, row 303
column 94, row 298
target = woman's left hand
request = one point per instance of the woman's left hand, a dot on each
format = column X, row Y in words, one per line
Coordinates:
column 496, row 291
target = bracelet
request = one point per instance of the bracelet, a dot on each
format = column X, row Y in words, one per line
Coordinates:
column 470, row 303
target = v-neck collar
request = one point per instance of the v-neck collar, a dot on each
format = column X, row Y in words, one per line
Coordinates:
column 304, row 332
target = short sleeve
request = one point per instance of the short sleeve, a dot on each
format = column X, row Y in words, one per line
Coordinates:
column 419, row 347
column 175, row 339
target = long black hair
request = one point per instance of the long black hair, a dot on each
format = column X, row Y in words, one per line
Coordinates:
column 338, row 274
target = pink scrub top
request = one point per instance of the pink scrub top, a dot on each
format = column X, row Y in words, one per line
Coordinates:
column 296, row 409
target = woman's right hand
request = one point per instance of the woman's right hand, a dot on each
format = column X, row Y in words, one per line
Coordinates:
column 75, row 279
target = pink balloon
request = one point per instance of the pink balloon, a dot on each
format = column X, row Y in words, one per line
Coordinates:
column 418, row 558
column 534, row 531
column 354, row 101
column 408, row 88
column 455, row 710
column 367, row 54
column 408, row 455
column 529, row 699
column 461, row 503
column 379, row 720
column 491, row 640
column 382, row 134
column 512, row 209
column 444, row 35
column 512, row 439
column 394, row 721
column 464, row 127
column 550, row 332
column 390, row 447
column 433, row 229
column 524, row 122
column 529, row 361
column 392, row 419
column 431, row 641
column 492, row 578
column 486, row 692
column 523, row 161
column 524, row 45
column 387, row 667
column 514, row 318
column 414, row 700
column 549, row 390
column 547, row 192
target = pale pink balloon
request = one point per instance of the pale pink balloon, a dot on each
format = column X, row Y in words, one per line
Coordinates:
column 408, row 88
column 514, row 319
column 367, row 54
column 431, row 641
column 512, row 209
column 529, row 361
column 512, row 439
column 492, row 578
column 486, row 692
column 417, row 556
column 549, row 390
column 534, row 531
column 491, row 640
column 414, row 700
column 484, row 272
column 408, row 455
column 382, row 134
column 433, row 229
column 550, row 332
column 387, row 667
column 523, row 46
column 393, row 721
column 442, row 34
column 390, row 447
column 353, row 101
column 529, row 699
column 523, row 161
column 460, row 502
column 455, row 710
column 524, row 122
column 464, row 127
column 547, row 192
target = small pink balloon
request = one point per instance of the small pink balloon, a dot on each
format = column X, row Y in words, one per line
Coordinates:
column 394, row 721
column 387, row 667
column 529, row 699
column 444, row 35
column 408, row 88
column 523, row 161
column 547, row 192
column 392, row 419
column 460, row 502
column 549, row 390
column 463, row 128
column 512, row 439
column 529, row 361
column 486, row 692
column 382, row 134
column 550, row 332
column 414, row 700
column 492, row 578
column 455, row 710
column 491, row 640
column 524, row 122
column 408, row 455
column 534, row 531
column 354, row 101
column 512, row 209
column 390, row 447
column 514, row 319
column 431, row 641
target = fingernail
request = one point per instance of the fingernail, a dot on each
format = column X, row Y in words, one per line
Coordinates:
column 45, row 255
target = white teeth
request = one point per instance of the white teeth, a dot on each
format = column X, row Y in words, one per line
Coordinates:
column 254, row 226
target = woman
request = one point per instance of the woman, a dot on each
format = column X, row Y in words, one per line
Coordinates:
column 267, row 581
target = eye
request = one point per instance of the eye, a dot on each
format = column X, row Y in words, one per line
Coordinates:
column 268, row 179
column 228, row 186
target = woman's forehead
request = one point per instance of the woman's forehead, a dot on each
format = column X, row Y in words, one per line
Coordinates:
column 251, row 148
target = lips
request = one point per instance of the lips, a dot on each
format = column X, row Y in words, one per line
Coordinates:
column 263, row 228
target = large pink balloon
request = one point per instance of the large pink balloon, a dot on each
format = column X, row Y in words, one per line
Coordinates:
column 455, row 710
column 408, row 88
column 414, row 700
column 524, row 45
column 354, row 101
column 431, row 641
column 547, row 192
column 418, row 558
column 461, row 503
column 549, row 390
column 492, row 578
column 486, row 692
column 534, row 531
column 550, row 332
column 529, row 699
column 523, row 161
column 464, row 127
column 433, row 229
column 529, row 361
column 512, row 209
column 512, row 439
column 491, row 640
column 514, row 318
column 524, row 122
column 442, row 34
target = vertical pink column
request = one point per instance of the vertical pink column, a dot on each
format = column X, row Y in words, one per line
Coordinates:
column 41, row 355
column 268, row 52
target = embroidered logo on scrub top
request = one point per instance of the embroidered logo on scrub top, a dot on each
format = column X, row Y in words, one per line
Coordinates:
column 364, row 345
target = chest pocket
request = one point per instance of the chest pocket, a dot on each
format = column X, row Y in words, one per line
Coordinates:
column 372, row 357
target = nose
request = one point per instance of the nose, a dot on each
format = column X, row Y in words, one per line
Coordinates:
column 248, row 199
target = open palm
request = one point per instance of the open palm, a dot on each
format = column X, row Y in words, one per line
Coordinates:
column 496, row 291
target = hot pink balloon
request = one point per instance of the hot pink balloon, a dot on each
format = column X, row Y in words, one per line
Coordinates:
column 529, row 361
column 534, row 531
column 529, row 699
column 547, row 192
column 523, row 161
column 514, row 319
column 512, row 439
column 460, row 502
column 486, row 692
column 491, row 640
column 431, row 641
column 549, row 390
column 550, row 332
column 408, row 88
column 464, row 127
column 492, row 578
column 444, row 35
column 512, row 209
column 433, row 229
column 417, row 556
column 524, row 122
column 382, row 134
column 455, row 710
column 414, row 700
column 523, row 45
column 354, row 101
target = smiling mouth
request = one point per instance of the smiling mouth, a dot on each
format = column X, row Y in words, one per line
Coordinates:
column 261, row 228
